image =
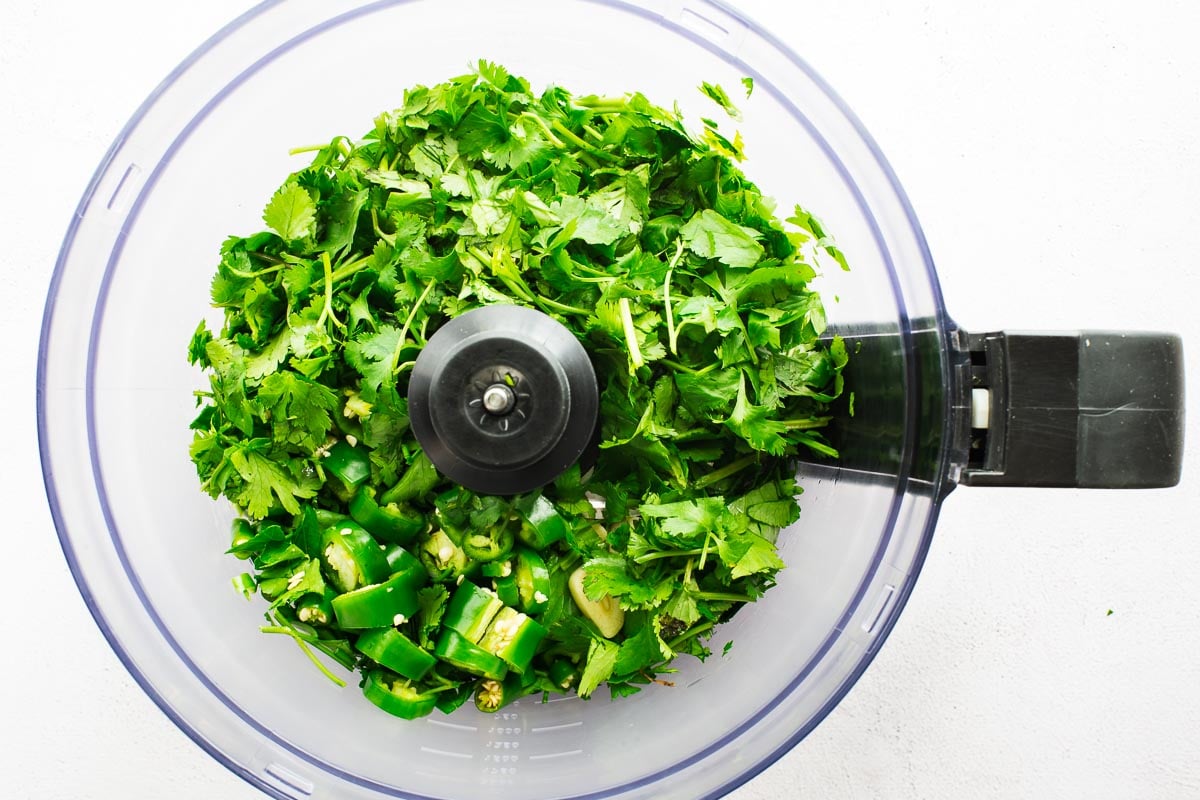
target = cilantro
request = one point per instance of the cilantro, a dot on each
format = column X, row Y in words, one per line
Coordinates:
column 711, row 235
column 265, row 481
column 687, row 522
column 609, row 575
column 299, row 408
column 641, row 651
column 747, row 554
column 601, row 661
column 649, row 243
column 433, row 606
column 755, row 424
column 682, row 608
column 291, row 213
column 721, row 98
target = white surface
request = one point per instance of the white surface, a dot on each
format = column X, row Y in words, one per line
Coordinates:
column 1051, row 153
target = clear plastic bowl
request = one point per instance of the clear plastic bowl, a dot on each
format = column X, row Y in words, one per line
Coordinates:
column 197, row 163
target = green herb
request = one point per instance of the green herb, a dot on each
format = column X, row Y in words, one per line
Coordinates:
column 721, row 98
column 654, row 249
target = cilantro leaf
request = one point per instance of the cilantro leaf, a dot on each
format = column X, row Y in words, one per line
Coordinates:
column 265, row 480
column 754, row 424
column 718, row 95
column 588, row 222
column 291, row 213
column 641, row 651
column 609, row 575
column 371, row 355
column 299, row 409
column 432, row 601
column 716, row 390
column 682, row 606
column 302, row 579
column 687, row 522
column 710, row 235
column 341, row 214
column 748, row 553
column 601, row 661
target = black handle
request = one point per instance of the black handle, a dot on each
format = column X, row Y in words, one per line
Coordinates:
column 1091, row 409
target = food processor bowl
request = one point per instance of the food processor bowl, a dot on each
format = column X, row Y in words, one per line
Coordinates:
column 115, row 394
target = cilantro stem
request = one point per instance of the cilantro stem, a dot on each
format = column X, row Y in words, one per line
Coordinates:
column 556, row 129
column 387, row 237
column 257, row 272
column 819, row 447
column 346, row 270
column 635, row 352
column 654, row 556
column 690, row 370
column 671, row 332
column 805, row 423
column 327, row 310
column 603, row 105
column 704, row 550
column 412, row 313
column 541, row 123
column 516, row 286
column 723, row 597
column 573, row 138
column 726, row 471
column 546, row 302
column 690, row 633
column 340, row 142
column 299, row 640
column 563, row 261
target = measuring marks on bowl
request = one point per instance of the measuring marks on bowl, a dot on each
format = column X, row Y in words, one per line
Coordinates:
column 712, row 23
column 130, row 180
column 287, row 781
column 526, row 732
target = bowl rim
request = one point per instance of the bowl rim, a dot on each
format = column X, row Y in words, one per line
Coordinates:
column 642, row 9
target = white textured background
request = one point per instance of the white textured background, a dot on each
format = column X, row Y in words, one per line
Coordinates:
column 1052, row 152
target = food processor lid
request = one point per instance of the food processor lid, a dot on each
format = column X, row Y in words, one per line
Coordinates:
column 503, row 399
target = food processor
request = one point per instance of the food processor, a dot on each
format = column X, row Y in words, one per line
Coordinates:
column 934, row 407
